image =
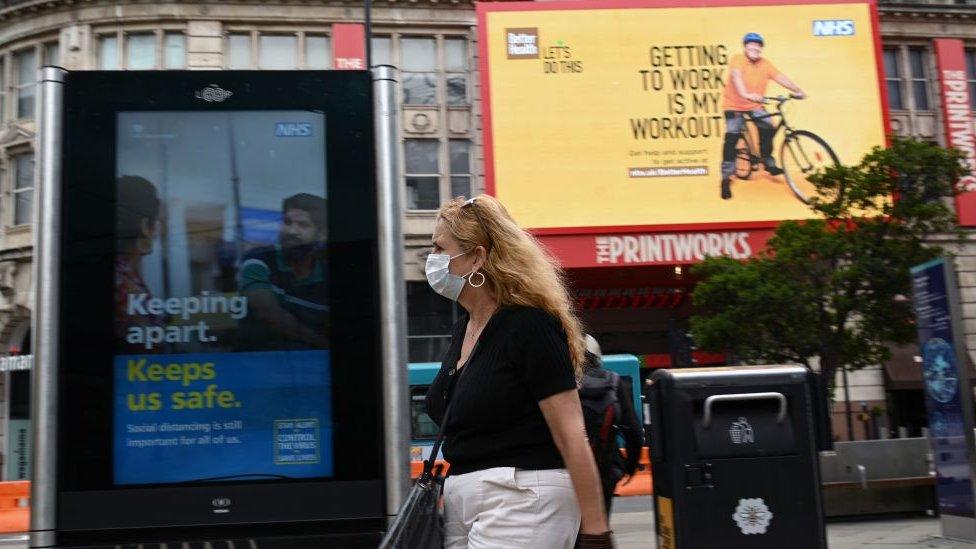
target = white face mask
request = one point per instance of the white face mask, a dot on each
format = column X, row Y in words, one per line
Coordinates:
column 440, row 277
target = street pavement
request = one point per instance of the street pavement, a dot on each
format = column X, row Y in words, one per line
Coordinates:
column 633, row 526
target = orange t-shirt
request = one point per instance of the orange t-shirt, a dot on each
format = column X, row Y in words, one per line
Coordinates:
column 755, row 76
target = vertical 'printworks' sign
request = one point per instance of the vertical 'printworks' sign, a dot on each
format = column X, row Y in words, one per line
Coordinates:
column 958, row 121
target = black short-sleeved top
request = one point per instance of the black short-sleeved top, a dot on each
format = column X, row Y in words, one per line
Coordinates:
column 522, row 357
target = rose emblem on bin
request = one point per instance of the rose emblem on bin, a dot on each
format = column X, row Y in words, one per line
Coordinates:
column 752, row 516
column 741, row 432
column 939, row 367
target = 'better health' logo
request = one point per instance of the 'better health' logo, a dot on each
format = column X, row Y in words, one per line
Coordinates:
column 833, row 27
column 522, row 43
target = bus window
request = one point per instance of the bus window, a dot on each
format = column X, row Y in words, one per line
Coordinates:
column 421, row 426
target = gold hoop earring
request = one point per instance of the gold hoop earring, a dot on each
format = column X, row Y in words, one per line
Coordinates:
column 480, row 284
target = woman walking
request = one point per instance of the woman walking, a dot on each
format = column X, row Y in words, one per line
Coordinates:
column 522, row 474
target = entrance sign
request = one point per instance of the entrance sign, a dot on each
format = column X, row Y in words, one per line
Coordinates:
column 948, row 397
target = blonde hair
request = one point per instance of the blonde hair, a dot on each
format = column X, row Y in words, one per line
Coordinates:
column 518, row 270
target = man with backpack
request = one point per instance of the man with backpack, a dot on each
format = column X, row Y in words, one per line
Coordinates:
column 608, row 411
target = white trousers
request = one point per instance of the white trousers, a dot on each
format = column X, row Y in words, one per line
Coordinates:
column 505, row 507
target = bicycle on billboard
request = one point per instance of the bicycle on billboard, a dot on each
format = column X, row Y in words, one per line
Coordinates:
column 801, row 154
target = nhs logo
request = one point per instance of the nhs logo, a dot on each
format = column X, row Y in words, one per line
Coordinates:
column 833, row 27
column 293, row 129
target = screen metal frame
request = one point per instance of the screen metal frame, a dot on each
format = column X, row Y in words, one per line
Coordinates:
column 88, row 499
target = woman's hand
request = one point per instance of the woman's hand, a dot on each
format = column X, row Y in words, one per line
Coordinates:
column 564, row 415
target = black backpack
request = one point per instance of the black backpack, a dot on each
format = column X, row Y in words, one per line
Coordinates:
column 601, row 413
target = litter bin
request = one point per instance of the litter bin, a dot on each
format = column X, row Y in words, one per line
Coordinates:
column 734, row 456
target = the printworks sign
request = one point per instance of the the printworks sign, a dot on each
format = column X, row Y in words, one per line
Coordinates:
column 615, row 114
column 654, row 248
column 958, row 120
column 944, row 388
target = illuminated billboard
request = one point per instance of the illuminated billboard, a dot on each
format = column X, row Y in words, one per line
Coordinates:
column 605, row 117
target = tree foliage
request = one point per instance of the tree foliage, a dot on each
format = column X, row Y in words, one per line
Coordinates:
column 835, row 286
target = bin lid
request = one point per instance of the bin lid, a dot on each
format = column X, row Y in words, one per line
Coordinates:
column 733, row 374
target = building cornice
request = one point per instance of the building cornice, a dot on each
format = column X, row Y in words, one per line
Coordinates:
column 928, row 9
column 14, row 9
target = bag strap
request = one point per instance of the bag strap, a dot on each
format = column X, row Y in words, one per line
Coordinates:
column 429, row 464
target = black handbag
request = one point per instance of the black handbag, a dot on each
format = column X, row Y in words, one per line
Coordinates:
column 419, row 524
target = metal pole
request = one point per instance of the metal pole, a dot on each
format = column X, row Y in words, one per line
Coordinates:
column 368, row 8
column 396, row 412
column 847, row 404
column 45, row 330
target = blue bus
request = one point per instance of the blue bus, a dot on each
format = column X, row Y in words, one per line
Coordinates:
column 423, row 430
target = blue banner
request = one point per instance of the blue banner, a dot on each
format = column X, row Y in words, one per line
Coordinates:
column 942, row 389
column 222, row 416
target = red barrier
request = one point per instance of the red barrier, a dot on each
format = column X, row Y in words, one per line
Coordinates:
column 15, row 506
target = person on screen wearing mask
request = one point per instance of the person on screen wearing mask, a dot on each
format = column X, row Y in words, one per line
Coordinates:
column 137, row 224
column 521, row 471
column 749, row 74
column 285, row 285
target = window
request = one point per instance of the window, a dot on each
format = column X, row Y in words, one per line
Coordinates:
column 920, row 83
column 23, row 188
column 140, row 51
column 26, row 63
column 108, row 52
column 971, row 76
column 419, row 62
column 456, row 65
column 422, row 159
column 318, row 52
column 381, row 51
column 249, row 50
column 893, row 79
column 434, row 77
column 52, row 53
column 421, row 426
column 460, row 154
column 239, row 51
column 278, row 52
column 422, row 162
column 430, row 319
column 174, row 50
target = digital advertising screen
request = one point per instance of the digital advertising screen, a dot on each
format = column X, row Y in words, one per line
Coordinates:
column 584, row 134
column 220, row 361
column 222, row 369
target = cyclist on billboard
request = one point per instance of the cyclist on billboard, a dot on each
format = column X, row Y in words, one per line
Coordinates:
column 285, row 283
column 749, row 74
